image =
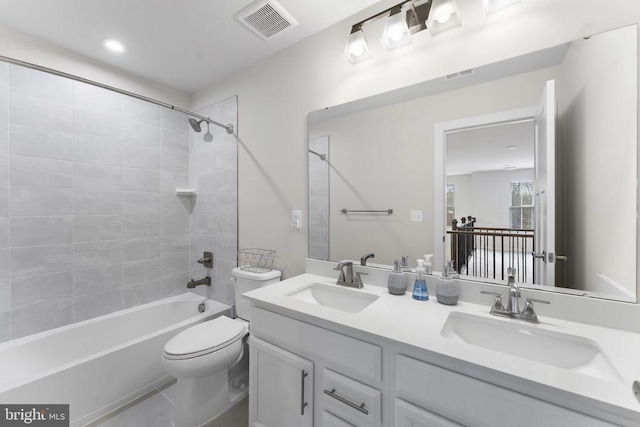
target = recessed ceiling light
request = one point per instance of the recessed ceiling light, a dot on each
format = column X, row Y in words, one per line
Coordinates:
column 512, row 147
column 114, row 45
column 510, row 168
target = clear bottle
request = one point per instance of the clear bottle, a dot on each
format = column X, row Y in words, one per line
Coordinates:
column 397, row 283
column 428, row 266
column 420, row 291
column 447, row 291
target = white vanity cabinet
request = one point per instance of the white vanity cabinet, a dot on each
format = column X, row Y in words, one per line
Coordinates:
column 281, row 387
column 346, row 374
column 441, row 397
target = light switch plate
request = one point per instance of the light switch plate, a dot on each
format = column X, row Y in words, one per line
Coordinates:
column 416, row 216
column 296, row 220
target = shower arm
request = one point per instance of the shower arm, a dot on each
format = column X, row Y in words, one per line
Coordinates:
column 322, row 156
column 229, row 127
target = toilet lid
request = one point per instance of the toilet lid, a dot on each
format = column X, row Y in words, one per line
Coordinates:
column 206, row 337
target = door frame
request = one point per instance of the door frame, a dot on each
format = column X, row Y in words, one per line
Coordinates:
column 439, row 163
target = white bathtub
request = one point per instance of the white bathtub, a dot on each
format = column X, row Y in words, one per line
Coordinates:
column 100, row 364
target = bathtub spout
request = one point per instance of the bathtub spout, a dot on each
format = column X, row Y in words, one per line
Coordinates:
column 193, row 283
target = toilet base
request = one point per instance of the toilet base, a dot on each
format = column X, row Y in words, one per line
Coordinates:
column 199, row 400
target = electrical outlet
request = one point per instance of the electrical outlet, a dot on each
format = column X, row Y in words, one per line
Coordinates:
column 296, row 220
column 416, row 216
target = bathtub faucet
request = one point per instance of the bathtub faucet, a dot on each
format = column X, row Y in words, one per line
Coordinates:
column 193, row 283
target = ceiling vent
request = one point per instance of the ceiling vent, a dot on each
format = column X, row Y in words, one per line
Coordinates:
column 266, row 18
column 466, row 73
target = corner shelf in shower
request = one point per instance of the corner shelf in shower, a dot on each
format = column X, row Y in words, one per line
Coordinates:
column 190, row 192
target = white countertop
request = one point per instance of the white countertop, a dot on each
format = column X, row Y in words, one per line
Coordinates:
column 418, row 324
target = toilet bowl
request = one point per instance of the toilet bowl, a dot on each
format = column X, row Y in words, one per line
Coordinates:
column 204, row 357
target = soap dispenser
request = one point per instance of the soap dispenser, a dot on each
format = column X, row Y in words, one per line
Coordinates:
column 428, row 266
column 396, row 282
column 420, row 291
column 447, row 291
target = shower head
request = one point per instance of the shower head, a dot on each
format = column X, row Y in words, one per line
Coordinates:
column 195, row 124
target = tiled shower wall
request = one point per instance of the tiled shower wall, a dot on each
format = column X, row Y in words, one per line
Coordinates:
column 89, row 219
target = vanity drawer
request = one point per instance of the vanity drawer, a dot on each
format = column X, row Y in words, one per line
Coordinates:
column 478, row 403
column 340, row 351
column 351, row 400
column 330, row 420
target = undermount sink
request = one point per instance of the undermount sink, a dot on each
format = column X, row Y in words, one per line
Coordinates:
column 562, row 350
column 347, row 300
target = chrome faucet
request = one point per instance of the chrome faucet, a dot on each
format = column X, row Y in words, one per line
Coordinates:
column 346, row 277
column 364, row 258
column 193, row 283
column 512, row 310
column 513, row 304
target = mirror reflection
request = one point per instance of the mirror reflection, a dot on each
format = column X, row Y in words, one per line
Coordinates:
column 420, row 152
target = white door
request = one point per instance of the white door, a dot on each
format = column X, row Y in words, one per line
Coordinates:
column 544, row 186
column 280, row 387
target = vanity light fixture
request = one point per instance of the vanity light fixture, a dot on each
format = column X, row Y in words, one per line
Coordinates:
column 114, row 45
column 491, row 6
column 396, row 30
column 444, row 16
column 356, row 49
column 403, row 20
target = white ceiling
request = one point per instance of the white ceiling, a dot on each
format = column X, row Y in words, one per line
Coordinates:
column 485, row 149
column 187, row 44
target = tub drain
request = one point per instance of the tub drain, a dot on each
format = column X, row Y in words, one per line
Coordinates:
column 202, row 307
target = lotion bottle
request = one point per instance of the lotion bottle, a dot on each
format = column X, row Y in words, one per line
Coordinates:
column 396, row 282
column 447, row 291
column 420, row 291
column 428, row 266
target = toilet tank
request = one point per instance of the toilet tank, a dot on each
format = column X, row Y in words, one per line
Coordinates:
column 245, row 281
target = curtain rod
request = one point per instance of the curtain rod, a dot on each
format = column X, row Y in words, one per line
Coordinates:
column 32, row 66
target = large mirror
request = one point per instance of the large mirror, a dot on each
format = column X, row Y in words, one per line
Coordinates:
column 388, row 173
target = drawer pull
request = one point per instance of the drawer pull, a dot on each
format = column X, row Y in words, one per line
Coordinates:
column 302, row 399
column 355, row 406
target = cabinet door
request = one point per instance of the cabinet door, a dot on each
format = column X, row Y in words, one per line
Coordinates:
column 408, row 415
column 280, row 387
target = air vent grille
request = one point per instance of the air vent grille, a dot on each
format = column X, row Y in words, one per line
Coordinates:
column 266, row 18
column 461, row 74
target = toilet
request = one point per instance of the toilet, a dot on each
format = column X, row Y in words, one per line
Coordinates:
column 211, row 360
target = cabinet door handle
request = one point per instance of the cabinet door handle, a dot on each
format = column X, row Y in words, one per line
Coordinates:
column 302, row 399
column 339, row 398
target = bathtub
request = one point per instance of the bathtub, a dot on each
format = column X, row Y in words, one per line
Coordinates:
column 100, row 364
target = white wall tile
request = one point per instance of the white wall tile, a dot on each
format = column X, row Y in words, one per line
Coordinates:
column 140, row 180
column 147, row 270
column 41, row 230
column 176, row 139
column 32, row 319
column 5, row 264
column 100, row 124
column 92, row 149
column 140, row 203
column 39, row 201
column 35, row 261
column 37, row 290
column 141, row 293
column 175, row 160
column 4, row 134
column 4, row 169
column 97, row 177
column 173, row 119
column 94, row 305
column 38, row 84
column 99, row 253
column 175, row 264
column 142, row 111
column 40, row 172
column 175, row 244
column 5, row 297
column 97, row 227
column 97, row 279
column 92, row 202
column 141, row 133
column 175, row 225
column 141, row 225
column 92, row 98
column 175, row 285
column 31, row 141
column 32, row 111
column 172, row 180
column 173, row 204
column 5, row 233
column 139, row 156
column 142, row 248
column 4, row 106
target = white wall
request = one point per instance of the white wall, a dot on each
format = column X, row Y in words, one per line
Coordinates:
column 491, row 196
column 275, row 95
column 608, row 208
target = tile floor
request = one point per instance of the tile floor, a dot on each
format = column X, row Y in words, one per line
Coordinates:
column 154, row 410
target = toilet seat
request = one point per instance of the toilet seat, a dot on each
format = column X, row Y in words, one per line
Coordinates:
column 205, row 338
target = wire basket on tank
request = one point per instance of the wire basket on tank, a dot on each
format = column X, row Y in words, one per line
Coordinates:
column 256, row 260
